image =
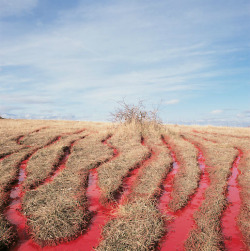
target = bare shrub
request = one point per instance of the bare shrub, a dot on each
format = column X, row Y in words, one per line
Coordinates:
column 135, row 113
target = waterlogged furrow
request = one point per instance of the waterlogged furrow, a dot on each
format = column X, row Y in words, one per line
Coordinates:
column 62, row 204
column 152, row 175
column 138, row 224
column 111, row 175
column 128, row 183
column 240, row 143
column 48, row 162
column 232, row 235
column 100, row 213
column 182, row 221
column 187, row 178
column 243, row 179
column 42, row 136
column 13, row 212
column 219, row 158
column 9, row 169
column 20, row 139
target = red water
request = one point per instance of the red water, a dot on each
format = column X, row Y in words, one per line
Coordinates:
column 182, row 220
column 4, row 156
column 60, row 166
column 13, row 211
column 168, row 184
column 130, row 180
column 91, row 237
column 18, row 140
column 233, row 237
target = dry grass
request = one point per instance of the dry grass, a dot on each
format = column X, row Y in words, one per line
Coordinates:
column 128, row 142
column 187, row 178
column 244, row 177
column 151, row 177
column 42, row 164
column 138, row 226
column 219, row 159
column 9, row 168
column 58, row 211
column 244, row 181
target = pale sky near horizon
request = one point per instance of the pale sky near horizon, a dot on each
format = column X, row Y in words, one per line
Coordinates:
column 73, row 60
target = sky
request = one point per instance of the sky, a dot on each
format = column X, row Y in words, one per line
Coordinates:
column 76, row 59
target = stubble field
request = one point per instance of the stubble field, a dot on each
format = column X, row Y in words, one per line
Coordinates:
column 67, row 185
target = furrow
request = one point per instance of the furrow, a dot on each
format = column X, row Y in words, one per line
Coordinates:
column 20, row 139
column 58, row 212
column 100, row 213
column 112, row 174
column 182, row 221
column 232, row 235
column 168, row 181
column 137, row 223
column 48, row 162
column 207, row 235
column 9, row 169
column 186, row 180
column 129, row 181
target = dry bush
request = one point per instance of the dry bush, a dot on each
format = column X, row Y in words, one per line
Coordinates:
column 136, row 114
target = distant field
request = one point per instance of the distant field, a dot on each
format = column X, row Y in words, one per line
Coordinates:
column 68, row 185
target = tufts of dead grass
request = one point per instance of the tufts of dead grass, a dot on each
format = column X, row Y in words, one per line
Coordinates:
column 219, row 159
column 244, row 181
column 151, row 177
column 9, row 168
column 138, row 226
column 187, row 178
column 58, row 211
column 8, row 234
column 128, row 142
column 42, row 164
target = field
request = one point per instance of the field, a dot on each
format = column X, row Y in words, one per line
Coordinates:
column 68, row 185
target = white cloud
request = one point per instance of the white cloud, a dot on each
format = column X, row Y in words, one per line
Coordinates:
column 16, row 7
column 172, row 102
column 217, row 111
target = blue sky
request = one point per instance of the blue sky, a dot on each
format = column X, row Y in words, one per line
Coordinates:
column 74, row 59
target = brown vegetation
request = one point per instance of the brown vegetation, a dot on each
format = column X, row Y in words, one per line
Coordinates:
column 58, row 210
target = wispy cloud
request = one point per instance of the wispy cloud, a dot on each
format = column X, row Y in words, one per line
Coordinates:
column 16, row 7
column 172, row 102
column 217, row 111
